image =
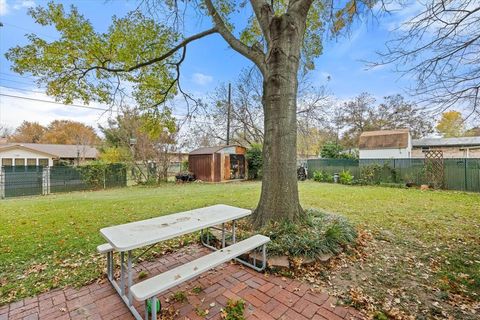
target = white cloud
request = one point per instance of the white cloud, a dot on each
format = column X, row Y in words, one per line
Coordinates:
column 201, row 79
column 13, row 111
column 23, row 4
column 400, row 14
column 3, row 7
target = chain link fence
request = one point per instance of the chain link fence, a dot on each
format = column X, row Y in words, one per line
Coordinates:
column 16, row 181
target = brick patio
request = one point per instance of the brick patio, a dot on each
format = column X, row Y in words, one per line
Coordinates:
column 266, row 296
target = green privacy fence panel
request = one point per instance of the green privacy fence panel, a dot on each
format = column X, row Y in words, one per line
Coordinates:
column 65, row 179
column 459, row 174
column 332, row 166
column 24, row 181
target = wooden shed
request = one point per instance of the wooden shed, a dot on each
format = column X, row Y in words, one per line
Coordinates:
column 215, row 164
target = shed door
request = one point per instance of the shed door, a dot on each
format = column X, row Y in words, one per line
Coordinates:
column 217, row 174
column 201, row 166
column 226, row 168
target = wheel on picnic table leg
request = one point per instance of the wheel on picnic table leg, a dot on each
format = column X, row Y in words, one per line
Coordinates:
column 149, row 306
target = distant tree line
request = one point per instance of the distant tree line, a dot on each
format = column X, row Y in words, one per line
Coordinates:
column 57, row 132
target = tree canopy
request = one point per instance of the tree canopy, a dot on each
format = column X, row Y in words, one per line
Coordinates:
column 451, row 124
column 57, row 132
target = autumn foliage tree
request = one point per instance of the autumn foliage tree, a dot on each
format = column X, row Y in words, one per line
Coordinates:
column 57, row 132
column 143, row 139
column 280, row 38
column 451, row 124
column 28, row 132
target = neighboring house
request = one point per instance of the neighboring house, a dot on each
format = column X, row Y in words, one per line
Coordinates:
column 463, row 147
column 217, row 164
column 385, row 144
column 35, row 154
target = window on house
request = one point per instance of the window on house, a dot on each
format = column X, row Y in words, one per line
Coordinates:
column 19, row 162
column 31, row 162
column 43, row 162
column 7, row 162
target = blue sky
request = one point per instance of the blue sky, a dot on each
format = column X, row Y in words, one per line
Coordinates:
column 209, row 61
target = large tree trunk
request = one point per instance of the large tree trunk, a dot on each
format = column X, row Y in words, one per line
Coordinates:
column 279, row 198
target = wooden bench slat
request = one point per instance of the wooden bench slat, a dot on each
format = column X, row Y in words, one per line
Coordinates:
column 104, row 248
column 155, row 285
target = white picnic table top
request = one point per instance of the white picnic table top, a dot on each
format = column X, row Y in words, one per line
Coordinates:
column 139, row 234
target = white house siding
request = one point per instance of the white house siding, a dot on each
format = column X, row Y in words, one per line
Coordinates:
column 384, row 153
column 19, row 153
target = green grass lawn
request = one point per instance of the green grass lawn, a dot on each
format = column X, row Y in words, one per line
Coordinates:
column 50, row 241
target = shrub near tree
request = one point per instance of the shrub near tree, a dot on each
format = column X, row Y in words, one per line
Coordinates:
column 255, row 161
column 333, row 150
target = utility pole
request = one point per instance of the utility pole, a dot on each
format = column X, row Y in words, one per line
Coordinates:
column 228, row 112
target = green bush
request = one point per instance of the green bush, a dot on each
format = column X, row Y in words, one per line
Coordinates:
column 98, row 174
column 375, row 173
column 184, row 166
column 346, row 177
column 322, row 176
column 333, row 150
column 255, row 161
column 319, row 234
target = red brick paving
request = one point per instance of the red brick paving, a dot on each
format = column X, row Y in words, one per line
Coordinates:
column 267, row 297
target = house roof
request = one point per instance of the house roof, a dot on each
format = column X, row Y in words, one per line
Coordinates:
column 57, row 150
column 446, row 142
column 210, row 150
column 384, row 139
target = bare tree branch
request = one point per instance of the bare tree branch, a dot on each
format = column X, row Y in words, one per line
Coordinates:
column 252, row 53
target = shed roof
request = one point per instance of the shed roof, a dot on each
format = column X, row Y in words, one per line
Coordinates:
column 446, row 142
column 384, row 139
column 58, row 150
column 211, row 150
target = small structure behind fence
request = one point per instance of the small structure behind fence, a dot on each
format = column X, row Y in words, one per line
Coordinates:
column 458, row 174
column 18, row 181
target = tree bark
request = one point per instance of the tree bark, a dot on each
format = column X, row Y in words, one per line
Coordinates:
column 279, row 199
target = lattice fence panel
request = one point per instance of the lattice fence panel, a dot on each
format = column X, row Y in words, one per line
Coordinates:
column 435, row 168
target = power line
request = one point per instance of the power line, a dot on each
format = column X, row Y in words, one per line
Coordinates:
column 54, row 102
column 28, row 30
column 16, row 81
column 16, row 75
column 21, row 89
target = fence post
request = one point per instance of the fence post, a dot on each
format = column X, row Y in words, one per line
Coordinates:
column 465, row 173
column 2, row 183
column 104, row 178
column 46, row 180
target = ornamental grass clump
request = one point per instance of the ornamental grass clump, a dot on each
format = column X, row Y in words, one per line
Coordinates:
column 319, row 234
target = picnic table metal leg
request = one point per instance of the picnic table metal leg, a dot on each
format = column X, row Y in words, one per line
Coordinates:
column 234, row 229
column 122, row 273
column 110, row 265
column 264, row 256
column 129, row 271
column 146, row 310
column 153, row 307
column 223, row 235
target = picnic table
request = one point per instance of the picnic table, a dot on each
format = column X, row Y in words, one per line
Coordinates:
column 146, row 233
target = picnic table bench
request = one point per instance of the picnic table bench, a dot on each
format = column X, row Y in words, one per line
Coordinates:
column 146, row 233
